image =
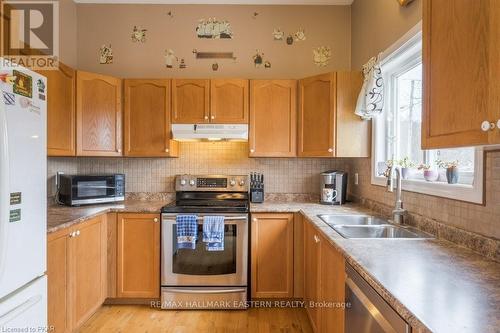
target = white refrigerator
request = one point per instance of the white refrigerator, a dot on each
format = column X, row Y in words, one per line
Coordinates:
column 23, row 201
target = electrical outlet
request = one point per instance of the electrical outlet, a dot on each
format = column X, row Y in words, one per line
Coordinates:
column 356, row 178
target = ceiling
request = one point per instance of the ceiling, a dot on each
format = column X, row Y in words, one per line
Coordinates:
column 225, row 2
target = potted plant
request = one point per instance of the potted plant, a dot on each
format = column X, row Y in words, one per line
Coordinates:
column 406, row 167
column 451, row 170
column 430, row 175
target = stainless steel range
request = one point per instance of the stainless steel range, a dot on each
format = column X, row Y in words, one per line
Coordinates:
column 198, row 278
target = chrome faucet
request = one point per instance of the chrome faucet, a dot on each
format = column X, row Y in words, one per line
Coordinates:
column 398, row 213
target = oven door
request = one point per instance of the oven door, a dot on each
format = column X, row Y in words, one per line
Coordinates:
column 199, row 267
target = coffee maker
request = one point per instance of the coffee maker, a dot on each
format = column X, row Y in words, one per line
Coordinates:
column 333, row 187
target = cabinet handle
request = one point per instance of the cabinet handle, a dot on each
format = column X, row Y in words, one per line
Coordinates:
column 206, row 117
column 252, row 150
column 155, row 219
column 254, row 219
column 498, row 124
column 330, row 150
column 487, row 126
column 167, row 150
column 119, row 150
column 212, row 117
column 72, row 234
column 316, row 239
column 78, row 233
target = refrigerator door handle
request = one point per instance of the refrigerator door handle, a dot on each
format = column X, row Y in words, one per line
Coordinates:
column 5, row 318
column 4, row 186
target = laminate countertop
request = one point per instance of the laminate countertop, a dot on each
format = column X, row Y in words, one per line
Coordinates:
column 435, row 285
column 60, row 217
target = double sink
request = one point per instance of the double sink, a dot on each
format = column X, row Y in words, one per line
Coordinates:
column 366, row 226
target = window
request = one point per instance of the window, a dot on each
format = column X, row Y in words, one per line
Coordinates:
column 397, row 133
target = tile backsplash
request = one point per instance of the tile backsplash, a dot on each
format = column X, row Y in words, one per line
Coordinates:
column 282, row 175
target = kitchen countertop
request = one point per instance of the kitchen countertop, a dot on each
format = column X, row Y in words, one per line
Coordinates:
column 60, row 217
column 435, row 285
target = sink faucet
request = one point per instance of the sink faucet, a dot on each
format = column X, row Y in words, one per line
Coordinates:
column 398, row 212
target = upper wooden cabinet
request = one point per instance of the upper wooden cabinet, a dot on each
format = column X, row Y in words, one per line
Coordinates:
column 138, row 256
column 273, row 118
column 61, row 114
column 190, row 101
column 461, row 58
column 147, row 128
column 99, row 115
column 272, row 275
column 229, row 101
column 327, row 124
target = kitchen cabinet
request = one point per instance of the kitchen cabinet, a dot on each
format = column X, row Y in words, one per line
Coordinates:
column 61, row 113
column 324, row 282
column 58, row 282
column 98, row 115
column 138, row 256
column 272, row 274
column 273, row 118
column 190, row 101
column 76, row 270
column 229, row 101
column 332, row 288
column 327, row 126
column 312, row 260
column 147, row 126
column 461, row 61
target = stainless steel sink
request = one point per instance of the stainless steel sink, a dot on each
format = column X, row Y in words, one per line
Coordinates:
column 332, row 220
column 366, row 226
column 379, row 231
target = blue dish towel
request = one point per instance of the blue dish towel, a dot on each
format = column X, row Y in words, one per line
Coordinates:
column 187, row 231
column 213, row 232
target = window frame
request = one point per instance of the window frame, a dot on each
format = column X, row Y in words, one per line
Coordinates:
column 409, row 44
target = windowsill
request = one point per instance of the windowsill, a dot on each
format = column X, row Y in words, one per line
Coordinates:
column 462, row 192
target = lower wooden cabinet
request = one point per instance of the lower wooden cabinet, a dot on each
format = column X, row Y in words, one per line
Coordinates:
column 312, row 259
column 272, row 255
column 76, row 270
column 138, row 256
column 324, row 282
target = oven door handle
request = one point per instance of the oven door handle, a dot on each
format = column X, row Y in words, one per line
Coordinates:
column 204, row 291
column 228, row 218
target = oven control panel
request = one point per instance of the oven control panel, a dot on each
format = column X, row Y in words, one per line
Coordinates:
column 221, row 183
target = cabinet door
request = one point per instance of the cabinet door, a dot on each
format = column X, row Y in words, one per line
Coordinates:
column 61, row 114
column 272, row 274
column 317, row 101
column 190, row 101
column 98, row 115
column 87, row 269
column 461, row 57
column 147, row 119
column 353, row 135
column 229, row 101
column 332, row 288
column 138, row 257
column 58, row 282
column 312, row 259
column 273, row 118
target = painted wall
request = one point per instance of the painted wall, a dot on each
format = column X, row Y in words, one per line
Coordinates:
column 104, row 24
column 376, row 24
column 67, row 32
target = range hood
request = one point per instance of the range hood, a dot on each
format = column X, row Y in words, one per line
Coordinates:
column 210, row 132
